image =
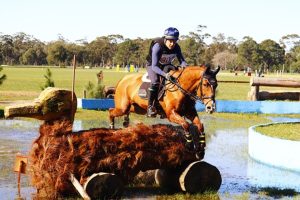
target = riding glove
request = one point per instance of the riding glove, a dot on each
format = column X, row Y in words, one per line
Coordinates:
column 171, row 78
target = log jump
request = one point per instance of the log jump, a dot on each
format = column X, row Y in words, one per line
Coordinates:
column 97, row 163
column 255, row 94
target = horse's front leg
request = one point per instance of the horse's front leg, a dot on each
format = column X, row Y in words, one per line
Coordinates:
column 173, row 116
column 193, row 116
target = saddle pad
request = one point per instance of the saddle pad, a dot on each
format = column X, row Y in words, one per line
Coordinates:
column 143, row 91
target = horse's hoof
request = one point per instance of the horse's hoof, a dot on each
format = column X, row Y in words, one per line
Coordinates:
column 200, row 155
column 111, row 127
column 163, row 116
column 125, row 124
column 152, row 116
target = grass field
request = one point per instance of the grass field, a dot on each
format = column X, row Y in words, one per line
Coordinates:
column 283, row 131
column 25, row 83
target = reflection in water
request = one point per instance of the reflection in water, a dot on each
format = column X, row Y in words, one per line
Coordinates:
column 260, row 175
column 226, row 149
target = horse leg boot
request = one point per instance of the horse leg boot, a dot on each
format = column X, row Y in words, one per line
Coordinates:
column 201, row 146
column 189, row 143
column 153, row 93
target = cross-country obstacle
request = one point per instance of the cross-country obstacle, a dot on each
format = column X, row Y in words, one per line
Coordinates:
column 98, row 163
column 256, row 82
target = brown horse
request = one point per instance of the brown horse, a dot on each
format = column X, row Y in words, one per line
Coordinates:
column 193, row 83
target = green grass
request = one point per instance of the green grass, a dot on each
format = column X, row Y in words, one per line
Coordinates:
column 24, row 82
column 288, row 131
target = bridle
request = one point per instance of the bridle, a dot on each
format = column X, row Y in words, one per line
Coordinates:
column 200, row 85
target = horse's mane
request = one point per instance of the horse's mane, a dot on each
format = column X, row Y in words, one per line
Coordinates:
column 188, row 69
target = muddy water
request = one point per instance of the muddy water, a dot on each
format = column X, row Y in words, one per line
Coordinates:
column 226, row 149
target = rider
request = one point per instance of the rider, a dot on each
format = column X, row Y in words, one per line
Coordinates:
column 162, row 52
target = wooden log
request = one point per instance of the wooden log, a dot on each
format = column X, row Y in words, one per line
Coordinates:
column 199, row 177
column 253, row 93
column 146, row 178
column 104, row 186
column 275, row 82
column 169, row 178
column 196, row 177
column 278, row 95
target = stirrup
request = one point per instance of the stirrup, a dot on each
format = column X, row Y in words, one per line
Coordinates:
column 151, row 112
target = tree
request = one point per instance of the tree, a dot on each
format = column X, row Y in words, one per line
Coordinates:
column 7, row 49
column 102, row 49
column 289, row 41
column 248, row 53
column 218, row 45
column 226, row 60
column 197, row 50
column 294, row 58
column 272, row 54
column 57, row 53
column 49, row 82
column 34, row 55
column 190, row 50
column 126, row 52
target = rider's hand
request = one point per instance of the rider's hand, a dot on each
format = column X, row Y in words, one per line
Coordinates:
column 171, row 78
column 183, row 64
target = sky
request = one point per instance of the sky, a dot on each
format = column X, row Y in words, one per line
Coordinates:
column 88, row 19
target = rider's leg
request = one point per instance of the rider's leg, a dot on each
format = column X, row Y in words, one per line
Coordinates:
column 153, row 93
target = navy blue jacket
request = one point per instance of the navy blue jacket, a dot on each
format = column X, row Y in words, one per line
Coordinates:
column 160, row 56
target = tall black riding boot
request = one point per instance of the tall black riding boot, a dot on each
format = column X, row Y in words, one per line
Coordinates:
column 153, row 93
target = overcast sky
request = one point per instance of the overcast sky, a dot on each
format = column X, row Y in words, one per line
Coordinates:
column 87, row 19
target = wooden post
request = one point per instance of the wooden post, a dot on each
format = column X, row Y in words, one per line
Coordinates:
column 254, row 91
column 73, row 77
column 20, row 167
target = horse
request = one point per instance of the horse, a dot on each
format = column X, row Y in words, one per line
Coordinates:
column 192, row 83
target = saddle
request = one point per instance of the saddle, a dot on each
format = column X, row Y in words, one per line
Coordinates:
column 143, row 90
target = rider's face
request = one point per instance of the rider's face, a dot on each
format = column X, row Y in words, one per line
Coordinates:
column 170, row 43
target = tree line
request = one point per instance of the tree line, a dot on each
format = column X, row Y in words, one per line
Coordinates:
column 230, row 54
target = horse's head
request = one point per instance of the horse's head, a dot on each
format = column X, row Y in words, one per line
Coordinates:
column 207, row 89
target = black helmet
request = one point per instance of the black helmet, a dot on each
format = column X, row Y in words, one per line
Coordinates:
column 171, row 33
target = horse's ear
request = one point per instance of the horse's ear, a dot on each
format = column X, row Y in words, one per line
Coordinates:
column 215, row 71
column 207, row 68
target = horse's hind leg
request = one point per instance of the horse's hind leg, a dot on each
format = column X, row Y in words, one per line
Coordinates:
column 114, row 112
column 117, row 112
column 126, row 120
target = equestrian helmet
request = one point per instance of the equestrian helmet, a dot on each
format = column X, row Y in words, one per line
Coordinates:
column 171, row 33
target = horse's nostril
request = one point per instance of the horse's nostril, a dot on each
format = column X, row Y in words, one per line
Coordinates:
column 208, row 108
